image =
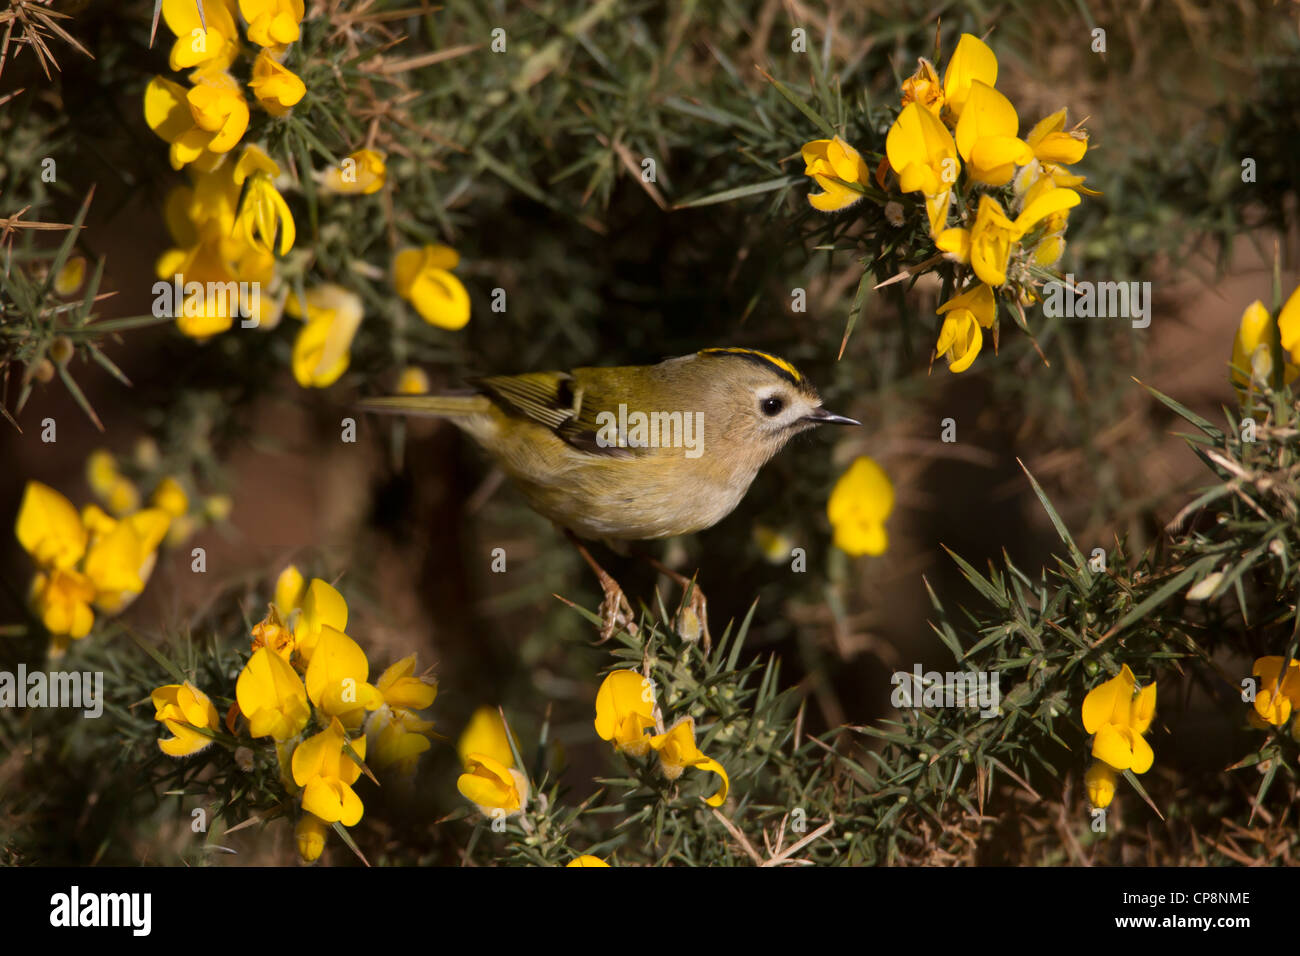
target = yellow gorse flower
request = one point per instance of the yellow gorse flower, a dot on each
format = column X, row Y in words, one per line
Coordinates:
column 322, row 606
column 326, row 775
column 965, row 122
column 485, row 734
column 833, row 163
column 170, row 497
column 271, row 696
column 205, row 312
column 202, row 123
column 625, row 706
column 492, row 786
column 413, row 381
column 290, row 589
column 396, row 738
column 1099, row 781
column 987, row 244
column 303, row 632
column 212, row 252
column 1288, row 326
column 971, row 62
column 490, row 780
column 276, row 87
column 1054, row 147
column 272, row 23
column 987, row 136
column 210, row 47
column 117, row 492
column 1117, row 714
column 677, row 751
column 122, row 555
column 84, row 560
column 399, row 686
column 923, row 87
column 587, row 860
column 361, row 173
column 1053, row 144
column 263, row 209
column 861, row 500
column 321, row 353
column 273, row 632
column 396, row 734
column 960, row 337
column 1279, row 691
column 309, row 837
column 336, row 679
column 960, row 340
column 423, row 278
column 224, row 258
column 181, row 708
column 49, row 528
column 276, row 630
column 1048, row 250
column 922, row 152
column 62, row 600
column 1252, row 347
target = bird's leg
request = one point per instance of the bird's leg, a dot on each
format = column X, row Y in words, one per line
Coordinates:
column 699, row 605
column 614, row 609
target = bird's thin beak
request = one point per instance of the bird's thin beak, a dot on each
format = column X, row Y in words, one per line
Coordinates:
column 823, row 417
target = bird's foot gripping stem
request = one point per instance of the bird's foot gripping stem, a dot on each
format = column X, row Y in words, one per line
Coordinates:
column 615, row 611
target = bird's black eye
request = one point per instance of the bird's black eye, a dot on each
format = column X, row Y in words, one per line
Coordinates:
column 771, row 406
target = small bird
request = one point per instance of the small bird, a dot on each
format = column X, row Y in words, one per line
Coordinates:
column 635, row 452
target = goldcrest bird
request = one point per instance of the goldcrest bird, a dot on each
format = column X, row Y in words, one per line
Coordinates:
column 635, row 452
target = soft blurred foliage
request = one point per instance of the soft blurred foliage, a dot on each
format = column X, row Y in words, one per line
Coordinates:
column 528, row 162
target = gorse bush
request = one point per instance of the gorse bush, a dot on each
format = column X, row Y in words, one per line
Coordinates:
column 222, row 224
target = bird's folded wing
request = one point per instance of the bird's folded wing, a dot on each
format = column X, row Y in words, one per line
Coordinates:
column 557, row 401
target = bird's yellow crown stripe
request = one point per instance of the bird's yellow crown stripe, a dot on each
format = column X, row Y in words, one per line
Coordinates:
column 778, row 363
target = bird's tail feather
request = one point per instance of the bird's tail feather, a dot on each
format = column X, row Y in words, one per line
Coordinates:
column 428, row 406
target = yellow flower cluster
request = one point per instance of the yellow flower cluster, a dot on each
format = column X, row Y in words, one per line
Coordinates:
column 963, row 122
column 305, row 669
column 231, row 222
column 89, row 561
column 1117, row 714
column 204, row 122
column 120, row 496
column 986, row 136
column 227, row 222
column 625, row 713
column 224, row 257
